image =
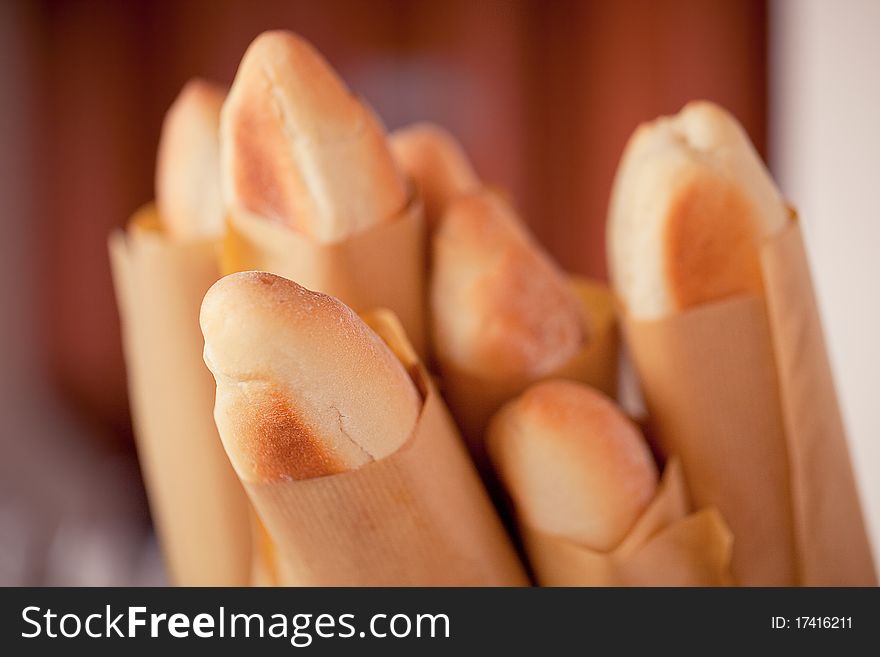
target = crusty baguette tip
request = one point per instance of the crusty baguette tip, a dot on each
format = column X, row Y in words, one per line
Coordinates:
column 188, row 194
column 500, row 306
column 299, row 149
column 304, row 387
column 574, row 466
column 432, row 158
column 691, row 204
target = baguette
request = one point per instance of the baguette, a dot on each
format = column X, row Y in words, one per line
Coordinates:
column 574, row 466
column 690, row 206
column 693, row 212
column 188, row 192
column 343, row 445
column 499, row 304
column 431, row 157
column 299, row 149
column 304, row 388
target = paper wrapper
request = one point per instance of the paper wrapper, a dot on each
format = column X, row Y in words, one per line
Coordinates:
column 419, row 517
column 198, row 505
column 666, row 547
column 382, row 267
column 264, row 566
column 742, row 391
column 474, row 399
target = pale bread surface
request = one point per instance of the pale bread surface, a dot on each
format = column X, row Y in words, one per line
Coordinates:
column 436, row 162
column 188, row 193
column 573, row 464
column 500, row 306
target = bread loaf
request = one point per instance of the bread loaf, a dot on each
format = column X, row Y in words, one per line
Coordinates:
column 188, row 192
column 304, row 387
column 299, row 149
column 500, row 306
column 574, row 466
column 691, row 204
column 431, row 157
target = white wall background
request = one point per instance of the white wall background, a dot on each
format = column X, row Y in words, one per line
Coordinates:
column 825, row 152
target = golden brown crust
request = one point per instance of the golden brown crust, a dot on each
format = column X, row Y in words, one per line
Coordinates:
column 500, row 306
column 695, row 247
column 261, row 186
column 573, row 464
column 691, row 205
column 304, row 387
column 432, row 158
column 188, row 193
column 276, row 439
column 298, row 148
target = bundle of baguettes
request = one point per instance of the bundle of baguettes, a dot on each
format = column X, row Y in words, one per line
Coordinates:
column 503, row 315
column 162, row 265
column 312, row 190
column 590, row 508
column 343, row 445
column 709, row 267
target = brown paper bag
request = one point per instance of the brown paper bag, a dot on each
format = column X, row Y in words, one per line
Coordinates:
column 742, row 391
column 197, row 502
column 419, row 517
column 474, row 399
column 667, row 546
column 264, row 565
column 380, row 267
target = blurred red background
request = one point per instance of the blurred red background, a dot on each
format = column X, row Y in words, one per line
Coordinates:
column 542, row 94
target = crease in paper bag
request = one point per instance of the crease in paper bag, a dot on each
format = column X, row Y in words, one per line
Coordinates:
column 198, row 504
column 751, row 410
column 667, row 546
column 833, row 546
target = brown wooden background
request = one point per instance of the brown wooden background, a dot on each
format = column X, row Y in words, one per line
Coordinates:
column 543, row 94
